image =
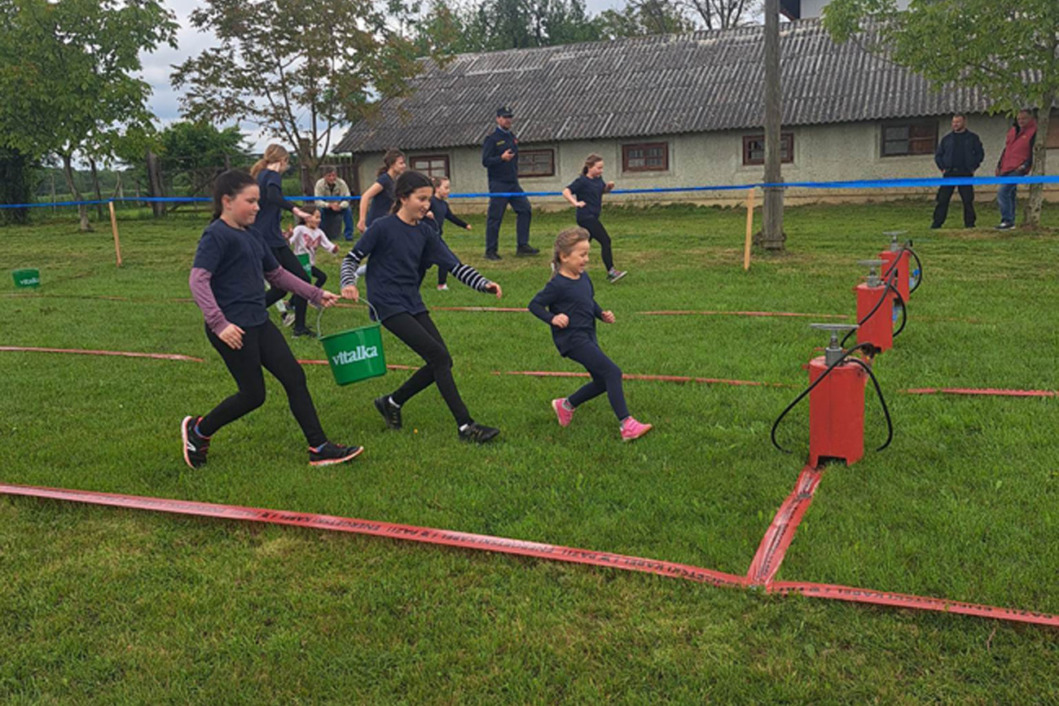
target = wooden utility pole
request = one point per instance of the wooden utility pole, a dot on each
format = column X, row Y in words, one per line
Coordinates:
column 772, row 236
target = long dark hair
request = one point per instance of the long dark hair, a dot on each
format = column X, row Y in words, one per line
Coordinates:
column 590, row 161
column 388, row 159
column 406, row 184
column 229, row 183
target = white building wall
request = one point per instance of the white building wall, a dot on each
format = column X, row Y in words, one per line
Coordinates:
column 849, row 151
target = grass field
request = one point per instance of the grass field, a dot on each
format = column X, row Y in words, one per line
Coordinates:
column 117, row 606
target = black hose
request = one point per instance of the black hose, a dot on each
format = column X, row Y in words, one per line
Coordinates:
column 904, row 310
column 882, row 401
column 806, row 391
column 889, row 287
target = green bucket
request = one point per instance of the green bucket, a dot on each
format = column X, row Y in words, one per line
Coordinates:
column 304, row 259
column 28, row 277
column 356, row 354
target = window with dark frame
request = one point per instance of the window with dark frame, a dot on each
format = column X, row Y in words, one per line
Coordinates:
column 645, row 157
column 920, row 137
column 536, row 163
column 754, row 149
column 433, row 165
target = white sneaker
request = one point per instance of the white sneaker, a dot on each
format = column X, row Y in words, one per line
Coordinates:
column 443, row 287
column 281, row 306
column 288, row 318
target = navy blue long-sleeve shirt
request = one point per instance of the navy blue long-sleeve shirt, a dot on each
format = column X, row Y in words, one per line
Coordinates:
column 442, row 212
column 382, row 202
column 272, row 203
column 576, row 299
column 398, row 253
column 503, row 176
column 591, row 192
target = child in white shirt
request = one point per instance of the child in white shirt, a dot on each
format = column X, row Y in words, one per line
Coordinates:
column 305, row 239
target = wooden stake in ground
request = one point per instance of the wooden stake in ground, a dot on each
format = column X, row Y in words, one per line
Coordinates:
column 114, row 228
column 749, row 228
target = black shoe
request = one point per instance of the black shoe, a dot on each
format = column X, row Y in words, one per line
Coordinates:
column 328, row 454
column 934, row 226
column 478, row 433
column 304, row 331
column 1004, row 225
column 195, row 445
column 389, row 411
column 526, row 251
column 492, row 256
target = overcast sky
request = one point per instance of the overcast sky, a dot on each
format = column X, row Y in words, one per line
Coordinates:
column 165, row 102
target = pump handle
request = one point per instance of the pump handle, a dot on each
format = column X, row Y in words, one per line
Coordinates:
column 870, row 263
column 834, row 327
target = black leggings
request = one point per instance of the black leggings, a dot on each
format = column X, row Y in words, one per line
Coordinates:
column 596, row 231
column 421, row 335
column 288, row 261
column 262, row 346
column 606, row 377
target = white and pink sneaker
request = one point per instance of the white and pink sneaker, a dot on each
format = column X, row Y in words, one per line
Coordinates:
column 561, row 411
column 632, row 429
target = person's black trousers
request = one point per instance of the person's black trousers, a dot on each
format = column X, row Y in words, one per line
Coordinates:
column 597, row 232
column 606, row 377
column 495, row 216
column 941, row 211
column 288, row 261
column 263, row 347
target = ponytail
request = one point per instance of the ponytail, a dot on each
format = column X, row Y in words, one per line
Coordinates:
column 406, row 184
column 273, row 153
column 388, row 160
column 564, row 245
column 230, row 184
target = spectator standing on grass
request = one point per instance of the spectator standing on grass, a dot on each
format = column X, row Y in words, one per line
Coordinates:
column 500, row 159
column 1016, row 160
column 959, row 154
column 226, row 283
column 337, row 215
column 268, row 172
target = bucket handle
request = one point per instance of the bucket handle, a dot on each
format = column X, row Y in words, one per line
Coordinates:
column 319, row 316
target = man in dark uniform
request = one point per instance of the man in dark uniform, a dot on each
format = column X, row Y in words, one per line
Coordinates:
column 959, row 154
column 500, row 158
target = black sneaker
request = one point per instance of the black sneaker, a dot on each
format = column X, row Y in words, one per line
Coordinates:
column 389, row 411
column 492, row 256
column 195, row 445
column 327, row 454
column 526, row 251
column 478, row 433
column 1004, row 225
column 304, row 331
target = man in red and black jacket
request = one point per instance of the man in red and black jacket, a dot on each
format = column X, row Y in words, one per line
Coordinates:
column 1015, row 160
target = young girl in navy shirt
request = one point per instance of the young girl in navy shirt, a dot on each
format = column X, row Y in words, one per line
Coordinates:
column 585, row 193
column 269, row 174
column 567, row 304
column 226, row 282
column 400, row 248
column 377, row 201
column 440, row 212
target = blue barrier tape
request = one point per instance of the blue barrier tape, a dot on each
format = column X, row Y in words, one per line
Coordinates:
column 854, row 184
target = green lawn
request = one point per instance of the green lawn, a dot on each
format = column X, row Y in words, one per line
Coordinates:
column 119, row 606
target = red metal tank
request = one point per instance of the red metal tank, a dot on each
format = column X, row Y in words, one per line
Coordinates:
column 875, row 328
column 903, row 260
column 836, row 412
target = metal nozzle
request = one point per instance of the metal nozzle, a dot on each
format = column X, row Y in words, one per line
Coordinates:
column 873, row 271
column 894, row 235
column 833, row 353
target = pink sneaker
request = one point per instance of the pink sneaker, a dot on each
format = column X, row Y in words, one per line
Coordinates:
column 564, row 414
column 632, row 429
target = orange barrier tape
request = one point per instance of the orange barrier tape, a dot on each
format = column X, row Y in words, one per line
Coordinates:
column 81, row 351
column 427, row 535
column 992, row 392
column 681, row 312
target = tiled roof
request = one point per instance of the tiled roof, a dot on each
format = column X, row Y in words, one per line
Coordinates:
column 660, row 85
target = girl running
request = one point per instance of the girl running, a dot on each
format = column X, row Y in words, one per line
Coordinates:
column 269, row 174
column 586, row 194
column 226, row 282
column 377, row 201
column 306, row 239
column 439, row 211
column 401, row 247
column 567, row 304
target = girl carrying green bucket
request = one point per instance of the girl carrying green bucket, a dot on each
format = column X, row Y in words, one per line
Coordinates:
column 401, row 246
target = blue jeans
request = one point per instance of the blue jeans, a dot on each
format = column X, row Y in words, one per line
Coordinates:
column 347, row 219
column 1005, row 199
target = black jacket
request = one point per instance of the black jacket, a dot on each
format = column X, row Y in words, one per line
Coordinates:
column 959, row 153
column 503, row 176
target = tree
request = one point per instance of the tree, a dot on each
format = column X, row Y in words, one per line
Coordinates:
column 299, row 69
column 1007, row 49
column 195, row 152
column 723, row 14
column 17, row 180
column 772, row 236
column 67, row 76
column 639, row 18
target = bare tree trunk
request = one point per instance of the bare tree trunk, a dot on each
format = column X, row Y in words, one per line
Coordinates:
column 154, row 184
column 307, row 166
column 95, row 185
column 1032, row 216
column 82, row 210
column 772, row 230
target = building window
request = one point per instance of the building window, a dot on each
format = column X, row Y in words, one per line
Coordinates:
column 536, row 163
column 754, row 148
column 909, row 138
column 433, row 165
column 647, row 157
